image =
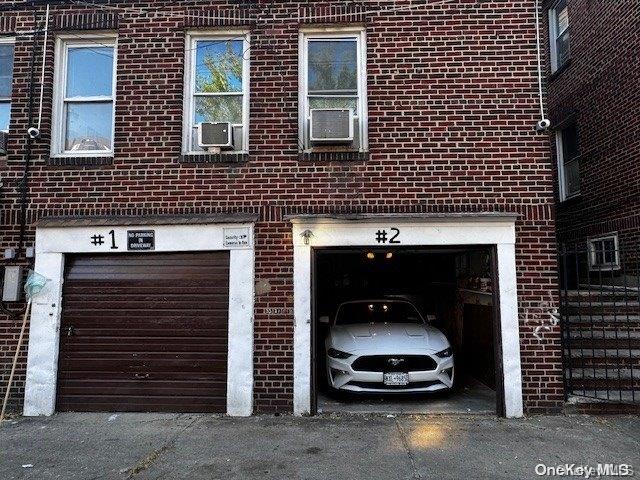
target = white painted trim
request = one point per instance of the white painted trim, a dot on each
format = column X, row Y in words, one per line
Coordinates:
column 554, row 34
column 592, row 253
column 191, row 38
column 8, row 41
column 335, row 33
column 562, row 189
column 58, row 129
column 334, row 232
column 562, row 176
column 52, row 243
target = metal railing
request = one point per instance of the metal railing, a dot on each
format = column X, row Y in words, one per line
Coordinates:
column 600, row 319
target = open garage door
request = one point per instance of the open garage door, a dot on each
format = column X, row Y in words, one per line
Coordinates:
column 144, row 332
column 409, row 330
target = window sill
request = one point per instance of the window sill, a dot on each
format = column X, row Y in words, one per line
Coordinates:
column 559, row 70
column 214, row 158
column 336, row 156
column 610, row 268
column 79, row 161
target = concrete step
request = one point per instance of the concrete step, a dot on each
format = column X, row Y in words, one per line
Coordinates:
column 588, row 395
column 623, row 320
column 631, row 309
column 624, row 353
column 603, row 374
column 610, row 363
column 604, row 294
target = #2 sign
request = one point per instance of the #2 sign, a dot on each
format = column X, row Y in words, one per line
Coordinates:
column 141, row 240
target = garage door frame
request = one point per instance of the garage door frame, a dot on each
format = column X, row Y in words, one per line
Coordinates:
column 493, row 230
column 53, row 242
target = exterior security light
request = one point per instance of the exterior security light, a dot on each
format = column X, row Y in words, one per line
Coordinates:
column 307, row 234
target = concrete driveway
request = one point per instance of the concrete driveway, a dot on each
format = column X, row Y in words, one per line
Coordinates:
column 88, row 446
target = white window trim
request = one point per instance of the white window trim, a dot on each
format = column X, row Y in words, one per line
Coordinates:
column 362, row 114
column 9, row 100
column 60, row 81
column 592, row 253
column 562, row 187
column 190, row 81
column 553, row 36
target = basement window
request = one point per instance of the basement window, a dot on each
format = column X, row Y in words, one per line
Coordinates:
column 6, row 81
column 333, row 87
column 217, row 87
column 568, row 162
column 604, row 253
column 84, row 96
column 559, row 34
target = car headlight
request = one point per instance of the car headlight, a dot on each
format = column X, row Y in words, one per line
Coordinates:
column 333, row 353
column 447, row 352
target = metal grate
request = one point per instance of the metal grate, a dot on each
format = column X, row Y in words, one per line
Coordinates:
column 600, row 318
column 394, row 363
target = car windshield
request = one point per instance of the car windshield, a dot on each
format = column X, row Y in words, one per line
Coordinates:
column 377, row 312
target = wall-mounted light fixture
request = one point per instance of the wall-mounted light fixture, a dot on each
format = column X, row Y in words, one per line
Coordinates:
column 307, row 234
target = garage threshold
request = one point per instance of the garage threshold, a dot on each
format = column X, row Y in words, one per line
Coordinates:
column 474, row 399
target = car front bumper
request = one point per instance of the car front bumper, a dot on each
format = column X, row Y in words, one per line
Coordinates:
column 341, row 376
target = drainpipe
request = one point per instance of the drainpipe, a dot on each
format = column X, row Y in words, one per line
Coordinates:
column 24, row 183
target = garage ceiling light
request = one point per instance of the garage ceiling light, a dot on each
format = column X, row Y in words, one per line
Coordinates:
column 389, row 255
column 371, row 255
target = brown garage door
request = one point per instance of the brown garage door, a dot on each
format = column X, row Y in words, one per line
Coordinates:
column 144, row 332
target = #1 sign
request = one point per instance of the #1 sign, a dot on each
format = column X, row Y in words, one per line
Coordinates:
column 141, row 240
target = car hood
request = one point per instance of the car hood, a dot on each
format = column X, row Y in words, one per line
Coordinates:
column 382, row 338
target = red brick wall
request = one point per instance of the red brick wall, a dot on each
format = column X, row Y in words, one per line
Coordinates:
column 452, row 108
column 599, row 91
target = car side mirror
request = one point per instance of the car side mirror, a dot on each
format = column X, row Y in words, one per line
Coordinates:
column 324, row 320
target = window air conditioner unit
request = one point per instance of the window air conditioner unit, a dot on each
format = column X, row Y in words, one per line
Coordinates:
column 331, row 125
column 3, row 143
column 216, row 134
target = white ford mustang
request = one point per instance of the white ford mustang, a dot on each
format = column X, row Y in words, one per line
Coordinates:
column 386, row 346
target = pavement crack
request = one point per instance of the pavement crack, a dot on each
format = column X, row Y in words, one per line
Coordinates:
column 407, row 448
column 151, row 458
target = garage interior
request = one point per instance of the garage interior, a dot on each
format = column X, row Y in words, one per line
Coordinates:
column 451, row 288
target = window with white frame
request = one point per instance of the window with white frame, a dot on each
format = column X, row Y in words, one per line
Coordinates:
column 84, row 96
column 217, row 87
column 604, row 252
column 568, row 161
column 333, row 76
column 6, row 81
column 559, row 34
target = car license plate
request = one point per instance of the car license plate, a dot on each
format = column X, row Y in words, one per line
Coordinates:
column 396, row 378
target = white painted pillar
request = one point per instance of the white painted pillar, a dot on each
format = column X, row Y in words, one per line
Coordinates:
column 44, row 338
column 240, row 358
column 302, row 330
column 510, row 329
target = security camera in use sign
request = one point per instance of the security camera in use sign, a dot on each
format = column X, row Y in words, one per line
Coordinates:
column 141, row 240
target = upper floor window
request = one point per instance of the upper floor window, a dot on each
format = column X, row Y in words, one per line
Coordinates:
column 604, row 252
column 568, row 161
column 333, row 83
column 216, row 91
column 6, row 81
column 84, row 97
column 559, row 34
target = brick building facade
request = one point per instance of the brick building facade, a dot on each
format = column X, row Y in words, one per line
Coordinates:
column 594, row 91
column 593, row 101
column 451, row 100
